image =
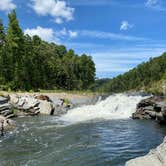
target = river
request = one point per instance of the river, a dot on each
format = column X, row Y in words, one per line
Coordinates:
column 96, row 135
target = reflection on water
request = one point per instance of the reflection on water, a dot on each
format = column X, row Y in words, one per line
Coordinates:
column 45, row 141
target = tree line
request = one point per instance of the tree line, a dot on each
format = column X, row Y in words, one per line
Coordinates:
column 138, row 78
column 28, row 63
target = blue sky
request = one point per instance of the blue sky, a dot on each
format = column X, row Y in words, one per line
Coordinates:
column 118, row 34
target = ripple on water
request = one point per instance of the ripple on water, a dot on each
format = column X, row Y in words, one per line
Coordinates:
column 38, row 141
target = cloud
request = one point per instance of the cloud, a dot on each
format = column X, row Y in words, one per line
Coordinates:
column 115, row 62
column 58, row 10
column 152, row 2
column 7, row 5
column 73, row 34
column 46, row 34
column 109, row 35
column 90, row 3
column 125, row 26
column 112, row 60
column 156, row 5
column 67, row 33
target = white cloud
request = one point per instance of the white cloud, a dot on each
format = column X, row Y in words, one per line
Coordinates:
column 67, row 33
column 109, row 35
column 58, row 20
column 45, row 33
column 151, row 2
column 56, row 9
column 73, row 34
column 125, row 25
column 48, row 34
column 7, row 5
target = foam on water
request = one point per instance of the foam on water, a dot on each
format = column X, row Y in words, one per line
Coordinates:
column 118, row 106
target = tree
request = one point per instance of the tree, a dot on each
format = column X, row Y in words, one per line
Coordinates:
column 15, row 47
column 31, row 63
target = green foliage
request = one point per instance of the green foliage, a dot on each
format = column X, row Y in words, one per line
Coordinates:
column 28, row 63
column 138, row 78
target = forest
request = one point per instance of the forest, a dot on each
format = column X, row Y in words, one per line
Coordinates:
column 139, row 78
column 29, row 63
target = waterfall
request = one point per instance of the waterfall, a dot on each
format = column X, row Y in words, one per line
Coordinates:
column 118, row 106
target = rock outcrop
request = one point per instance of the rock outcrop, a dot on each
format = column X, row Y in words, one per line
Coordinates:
column 5, row 107
column 5, row 124
column 156, row 157
column 151, row 108
column 38, row 104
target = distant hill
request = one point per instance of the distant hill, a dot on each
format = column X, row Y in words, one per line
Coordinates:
column 149, row 76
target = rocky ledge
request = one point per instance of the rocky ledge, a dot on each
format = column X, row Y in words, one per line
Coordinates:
column 156, row 157
column 15, row 105
column 31, row 105
column 151, row 108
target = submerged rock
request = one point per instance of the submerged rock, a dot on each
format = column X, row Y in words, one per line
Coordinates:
column 156, row 157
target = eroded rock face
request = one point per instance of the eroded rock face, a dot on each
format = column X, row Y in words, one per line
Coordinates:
column 156, row 157
column 151, row 108
column 41, row 104
column 5, row 107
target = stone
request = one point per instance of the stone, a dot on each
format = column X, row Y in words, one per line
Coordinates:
column 46, row 107
column 14, row 99
column 42, row 97
column 3, row 100
column 7, row 123
column 5, row 106
column 156, row 157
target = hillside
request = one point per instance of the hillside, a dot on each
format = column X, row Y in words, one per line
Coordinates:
column 149, row 76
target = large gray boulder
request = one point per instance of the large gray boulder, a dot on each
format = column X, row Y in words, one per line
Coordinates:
column 156, row 157
column 46, row 107
column 7, row 123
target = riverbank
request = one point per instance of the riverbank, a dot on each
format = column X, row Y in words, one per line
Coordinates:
column 32, row 104
column 152, row 108
column 76, row 97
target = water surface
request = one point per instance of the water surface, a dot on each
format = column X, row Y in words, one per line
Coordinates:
column 94, row 135
column 41, row 141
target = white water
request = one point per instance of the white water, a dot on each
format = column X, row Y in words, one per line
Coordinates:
column 119, row 106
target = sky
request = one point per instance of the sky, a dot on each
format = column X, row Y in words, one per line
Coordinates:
column 118, row 34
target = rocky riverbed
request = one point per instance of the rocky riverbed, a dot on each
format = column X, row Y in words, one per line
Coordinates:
column 26, row 104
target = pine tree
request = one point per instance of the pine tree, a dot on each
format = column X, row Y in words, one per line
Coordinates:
column 2, row 44
column 15, row 44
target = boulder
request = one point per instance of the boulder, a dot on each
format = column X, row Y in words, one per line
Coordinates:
column 6, row 123
column 156, row 157
column 46, row 107
column 14, row 98
column 3, row 100
column 42, row 97
column 151, row 108
column 33, row 105
column 5, row 107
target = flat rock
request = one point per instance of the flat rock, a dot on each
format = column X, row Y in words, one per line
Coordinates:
column 156, row 157
column 3, row 100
